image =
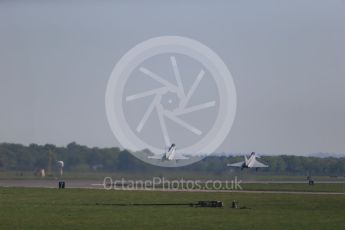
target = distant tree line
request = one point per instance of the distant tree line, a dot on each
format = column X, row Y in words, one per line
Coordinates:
column 16, row 157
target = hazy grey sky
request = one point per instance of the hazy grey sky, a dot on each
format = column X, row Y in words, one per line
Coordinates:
column 287, row 59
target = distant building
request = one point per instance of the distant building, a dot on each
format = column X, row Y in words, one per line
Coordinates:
column 41, row 173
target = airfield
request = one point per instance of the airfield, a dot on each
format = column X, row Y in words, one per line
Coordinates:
column 76, row 208
column 323, row 187
column 85, row 204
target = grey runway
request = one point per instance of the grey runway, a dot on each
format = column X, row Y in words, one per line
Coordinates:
column 44, row 183
column 97, row 184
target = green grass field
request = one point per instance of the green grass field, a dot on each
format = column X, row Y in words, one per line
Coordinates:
column 28, row 208
column 289, row 187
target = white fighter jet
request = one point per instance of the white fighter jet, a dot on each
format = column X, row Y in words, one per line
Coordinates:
column 252, row 162
column 169, row 156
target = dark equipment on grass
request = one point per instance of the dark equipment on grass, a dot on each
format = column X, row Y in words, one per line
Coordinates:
column 310, row 180
column 209, row 204
column 234, row 204
column 61, row 184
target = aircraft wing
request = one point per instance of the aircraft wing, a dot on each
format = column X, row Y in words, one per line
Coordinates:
column 258, row 164
column 239, row 164
column 157, row 157
column 180, row 157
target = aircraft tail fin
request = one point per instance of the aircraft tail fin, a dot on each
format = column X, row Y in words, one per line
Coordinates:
column 171, row 152
column 245, row 159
